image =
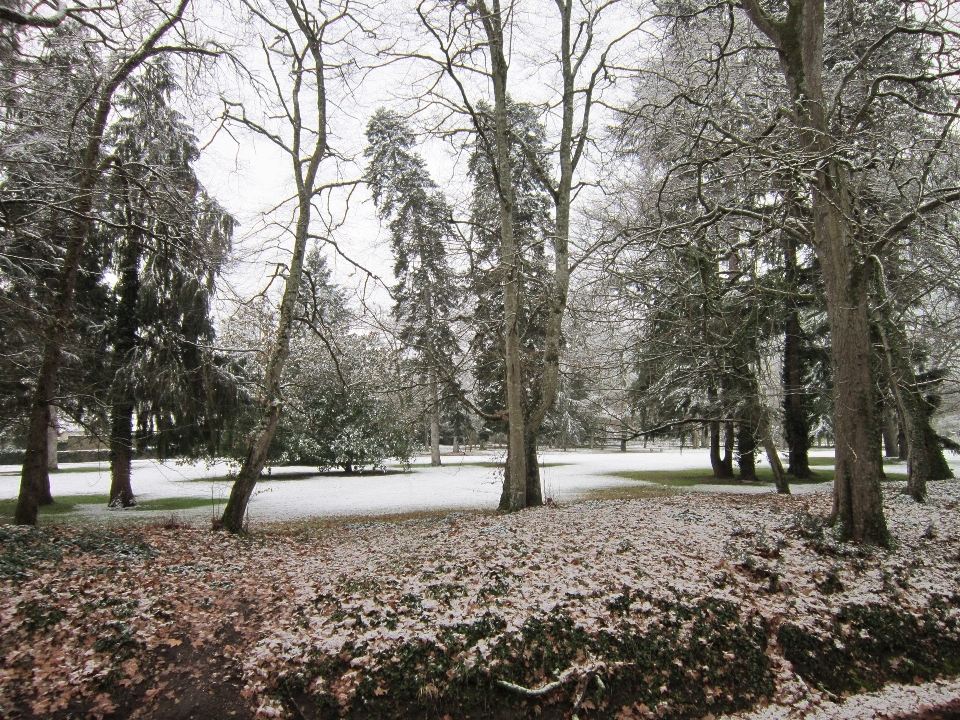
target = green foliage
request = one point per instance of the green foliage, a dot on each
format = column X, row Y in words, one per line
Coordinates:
column 865, row 646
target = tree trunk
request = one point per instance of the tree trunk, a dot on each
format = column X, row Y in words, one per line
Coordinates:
column 746, row 449
column 514, row 491
column 121, row 455
column 305, row 173
column 796, row 416
column 728, row 442
column 890, row 445
column 858, row 501
column 925, row 459
column 773, row 457
column 434, row 421
column 124, row 346
column 52, row 435
column 532, row 487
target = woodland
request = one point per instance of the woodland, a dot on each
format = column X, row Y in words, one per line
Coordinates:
column 604, row 223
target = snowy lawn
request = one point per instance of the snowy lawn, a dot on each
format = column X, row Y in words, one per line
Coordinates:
column 683, row 606
column 300, row 493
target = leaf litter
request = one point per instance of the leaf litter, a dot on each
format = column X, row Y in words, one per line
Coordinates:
column 87, row 613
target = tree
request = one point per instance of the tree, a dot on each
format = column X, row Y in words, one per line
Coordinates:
column 834, row 106
column 303, row 38
column 170, row 240
column 582, row 69
column 127, row 55
column 426, row 295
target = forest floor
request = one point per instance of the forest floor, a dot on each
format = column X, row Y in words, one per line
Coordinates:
column 686, row 605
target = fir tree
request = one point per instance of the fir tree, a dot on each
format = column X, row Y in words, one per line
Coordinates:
column 426, row 294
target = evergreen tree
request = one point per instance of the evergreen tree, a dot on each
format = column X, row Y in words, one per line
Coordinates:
column 170, row 240
column 426, row 295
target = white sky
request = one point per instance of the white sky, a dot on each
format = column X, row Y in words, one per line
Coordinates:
column 250, row 176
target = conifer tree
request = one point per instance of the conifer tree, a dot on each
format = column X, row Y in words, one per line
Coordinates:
column 170, row 240
column 426, row 294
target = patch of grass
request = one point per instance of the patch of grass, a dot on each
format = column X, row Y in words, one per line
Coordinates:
column 325, row 524
column 629, row 492
column 90, row 467
column 63, row 504
column 704, row 476
column 180, row 503
column 67, row 504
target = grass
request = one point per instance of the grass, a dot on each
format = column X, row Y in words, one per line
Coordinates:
column 66, row 504
column 179, row 503
column 704, row 476
column 63, row 505
column 325, row 524
column 629, row 492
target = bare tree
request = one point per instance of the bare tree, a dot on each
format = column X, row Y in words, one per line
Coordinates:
column 298, row 64
column 472, row 41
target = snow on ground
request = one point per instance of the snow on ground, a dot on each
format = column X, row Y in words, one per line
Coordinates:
column 464, row 482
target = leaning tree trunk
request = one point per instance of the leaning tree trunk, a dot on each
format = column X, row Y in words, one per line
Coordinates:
column 925, row 459
column 271, row 401
column 306, row 61
column 773, row 457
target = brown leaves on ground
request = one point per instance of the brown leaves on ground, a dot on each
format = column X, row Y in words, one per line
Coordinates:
column 131, row 622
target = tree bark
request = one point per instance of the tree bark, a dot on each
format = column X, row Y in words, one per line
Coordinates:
column 728, row 443
column 514, row 492
column 434, row 421
column 52, row 435
column 122, row 406
column 925, row 459
column 746, row 449
column 121, row 455
column 796, row 416
column 889, row 430
column 773, row 457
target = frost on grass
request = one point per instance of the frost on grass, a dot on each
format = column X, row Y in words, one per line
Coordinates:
column 673, row 606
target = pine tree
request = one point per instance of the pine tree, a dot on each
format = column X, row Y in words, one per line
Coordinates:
column 170, row 240
column 426, row 295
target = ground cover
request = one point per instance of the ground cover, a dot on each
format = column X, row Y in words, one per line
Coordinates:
column 72, row 504
column 675, row 606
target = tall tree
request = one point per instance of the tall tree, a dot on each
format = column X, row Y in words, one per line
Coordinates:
column 580, row 50
column 170, row 240
column 426, row 296
column 304, row 36
column 126, row 55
